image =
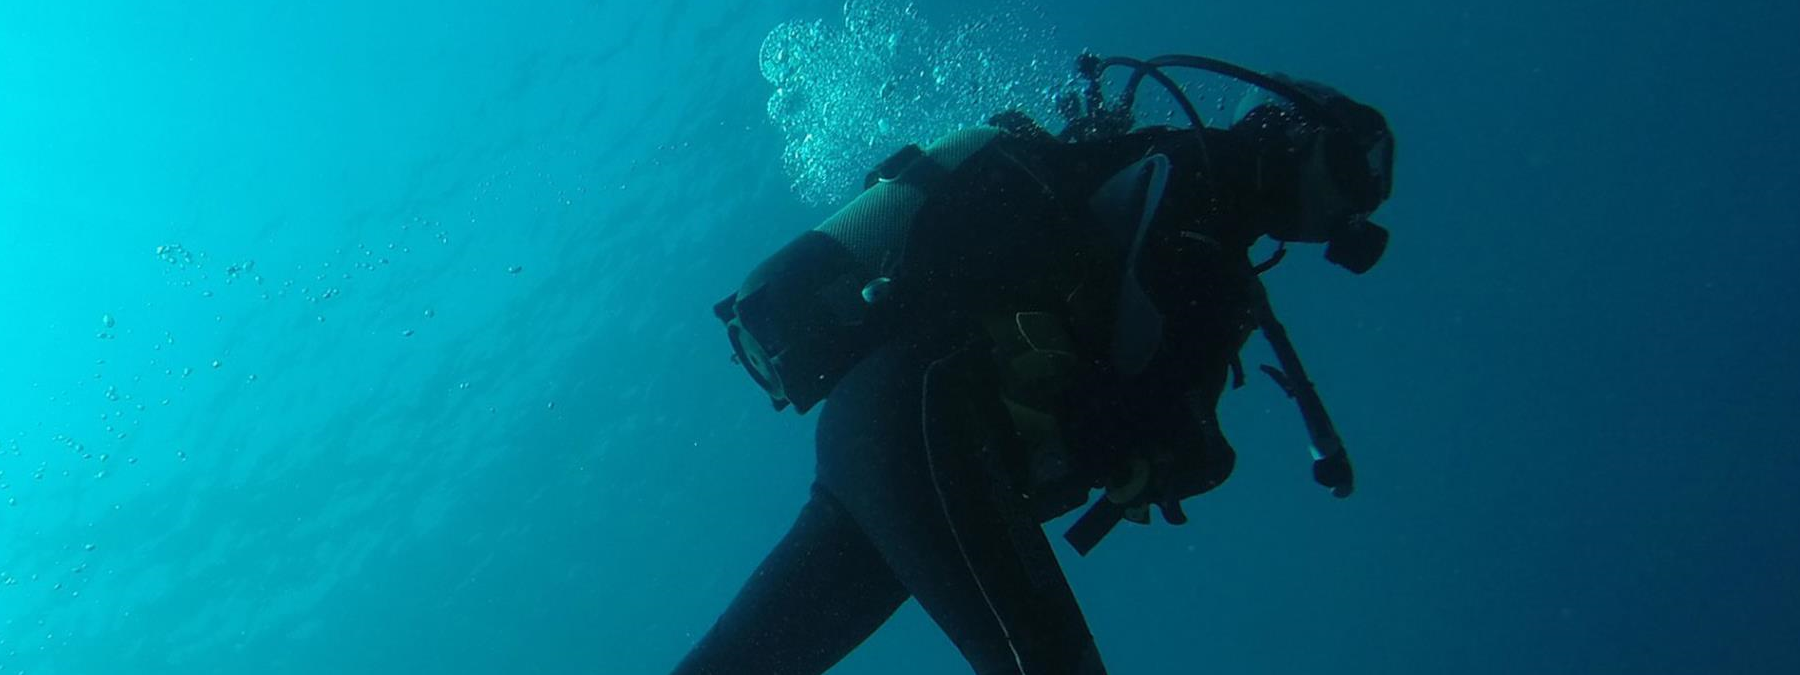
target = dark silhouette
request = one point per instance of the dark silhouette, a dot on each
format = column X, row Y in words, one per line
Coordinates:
column 1007, row 320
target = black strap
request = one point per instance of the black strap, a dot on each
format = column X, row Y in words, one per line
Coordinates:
column 909, row 165
column 1094, row 525
column 896, row 164
column 1274, row 259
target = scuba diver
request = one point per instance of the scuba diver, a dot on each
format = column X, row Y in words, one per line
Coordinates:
column 1007, row 320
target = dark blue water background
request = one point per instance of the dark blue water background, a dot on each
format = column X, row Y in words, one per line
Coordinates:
column 422, row 377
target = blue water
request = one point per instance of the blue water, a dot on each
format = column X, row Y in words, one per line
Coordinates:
column 410, row 364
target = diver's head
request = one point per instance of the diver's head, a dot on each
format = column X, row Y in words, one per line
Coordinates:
column 1341, row 156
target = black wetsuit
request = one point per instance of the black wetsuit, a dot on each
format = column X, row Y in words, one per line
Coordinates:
column 875, row 534
column 878, row 528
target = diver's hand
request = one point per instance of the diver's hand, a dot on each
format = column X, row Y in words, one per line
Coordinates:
column 1162, row 482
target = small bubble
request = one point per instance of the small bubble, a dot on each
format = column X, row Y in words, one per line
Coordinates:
column 430, row 313
column 515, row 269
column 406, row 333
column 88, row 547
column 215, row 364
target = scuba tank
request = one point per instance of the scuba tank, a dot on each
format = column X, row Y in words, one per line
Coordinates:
column 820, row 304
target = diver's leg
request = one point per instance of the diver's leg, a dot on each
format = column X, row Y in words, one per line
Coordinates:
column 819, row 594
column 979, row 566
column 997, row 535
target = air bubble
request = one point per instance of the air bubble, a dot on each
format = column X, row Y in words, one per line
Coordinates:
column 848, row 96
